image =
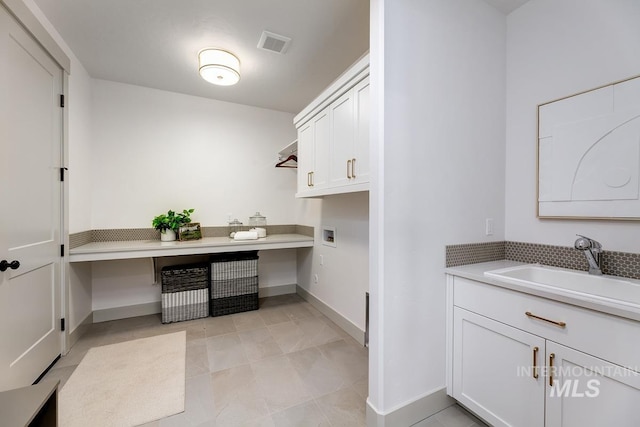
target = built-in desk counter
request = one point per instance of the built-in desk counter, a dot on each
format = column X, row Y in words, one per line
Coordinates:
column 101, row 251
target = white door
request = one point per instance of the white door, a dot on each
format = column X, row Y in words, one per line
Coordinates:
column 30, row 206
column 498, row 371
column 588, row 391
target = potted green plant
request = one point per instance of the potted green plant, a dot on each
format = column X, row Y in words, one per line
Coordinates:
column 169, row 223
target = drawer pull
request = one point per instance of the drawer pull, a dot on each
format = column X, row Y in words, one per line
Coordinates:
column 531, row 315
column 551, row 357
column 353, row 168
column 535, row 362
column 348, row 167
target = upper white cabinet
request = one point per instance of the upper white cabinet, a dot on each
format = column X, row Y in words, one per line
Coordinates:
column 333, row 137
column 360, row 169
column 313, row 155
column 343, row 129
column 349, row 142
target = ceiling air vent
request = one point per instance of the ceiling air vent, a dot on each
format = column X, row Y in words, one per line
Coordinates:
column 273, row 42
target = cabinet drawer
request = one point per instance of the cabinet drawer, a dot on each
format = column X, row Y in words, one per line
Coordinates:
column 609, row 337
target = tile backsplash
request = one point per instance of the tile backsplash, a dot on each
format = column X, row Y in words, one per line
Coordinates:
column 623, row 264
column 556, row 256
column 79, row 239
column 473, row 253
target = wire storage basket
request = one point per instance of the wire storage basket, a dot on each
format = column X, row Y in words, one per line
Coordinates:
column 185, row 292
column 234, row 282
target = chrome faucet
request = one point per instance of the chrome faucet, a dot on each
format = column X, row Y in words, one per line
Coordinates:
column 592, row 251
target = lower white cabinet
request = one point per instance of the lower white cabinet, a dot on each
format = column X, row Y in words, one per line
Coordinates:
column 490, row 371
column 529, row 375
column 589, row 391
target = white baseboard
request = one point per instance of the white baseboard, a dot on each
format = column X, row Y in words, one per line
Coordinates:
column 412, row 412
column 272, row 291
column 78, row 331
column 125, row 312
column 334, row 316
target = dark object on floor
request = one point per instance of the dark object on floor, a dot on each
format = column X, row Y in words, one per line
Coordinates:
column 234, row 282
column 185, row 292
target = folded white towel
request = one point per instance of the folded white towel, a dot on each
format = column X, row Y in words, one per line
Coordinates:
column 262, row 232
column 246, row 235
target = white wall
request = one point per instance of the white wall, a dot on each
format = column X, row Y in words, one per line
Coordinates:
column 343, row 279
column 155, row 150
column 554, row 49
column 80, row 177
column 438, row 73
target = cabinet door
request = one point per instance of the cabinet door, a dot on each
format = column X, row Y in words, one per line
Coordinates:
column 342, row 137
column 321, row 140
column 494, row 372
column 588, row 391
column 306, row 153
column 360, row 159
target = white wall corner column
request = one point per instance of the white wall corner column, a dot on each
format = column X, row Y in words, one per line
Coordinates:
column 375, row 401
column 437, row 162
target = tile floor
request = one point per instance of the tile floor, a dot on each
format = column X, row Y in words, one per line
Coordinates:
column 283, row 365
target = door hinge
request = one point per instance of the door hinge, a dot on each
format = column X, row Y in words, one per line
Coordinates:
column 62, row 174
column 62, row 324
column 61, row 100
column 62, row 250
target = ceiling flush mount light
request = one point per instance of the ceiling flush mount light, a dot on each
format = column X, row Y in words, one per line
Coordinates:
column 219, row 67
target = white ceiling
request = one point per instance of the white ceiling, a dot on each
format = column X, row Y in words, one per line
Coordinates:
column 506, row 6
column 154, row 43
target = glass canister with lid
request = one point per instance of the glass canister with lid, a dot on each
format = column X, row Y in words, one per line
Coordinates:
column 258, row 223
column 257, row 220
column 234, row 227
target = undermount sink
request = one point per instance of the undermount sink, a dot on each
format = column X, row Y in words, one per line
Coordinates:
column 626, row 291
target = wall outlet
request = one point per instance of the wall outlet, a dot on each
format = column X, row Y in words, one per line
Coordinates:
column 488, row 227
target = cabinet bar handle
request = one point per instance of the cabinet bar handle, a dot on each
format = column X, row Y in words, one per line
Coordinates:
column 560, row 324
column 311, row 179
column 348, row 165
column 308, row 179
column 551, row 357
column 353, row 168
column 535, row 362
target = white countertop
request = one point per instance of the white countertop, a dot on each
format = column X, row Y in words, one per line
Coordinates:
column 100, row 251
column 476, row 272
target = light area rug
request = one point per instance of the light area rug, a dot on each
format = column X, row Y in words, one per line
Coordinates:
column 126, row 384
